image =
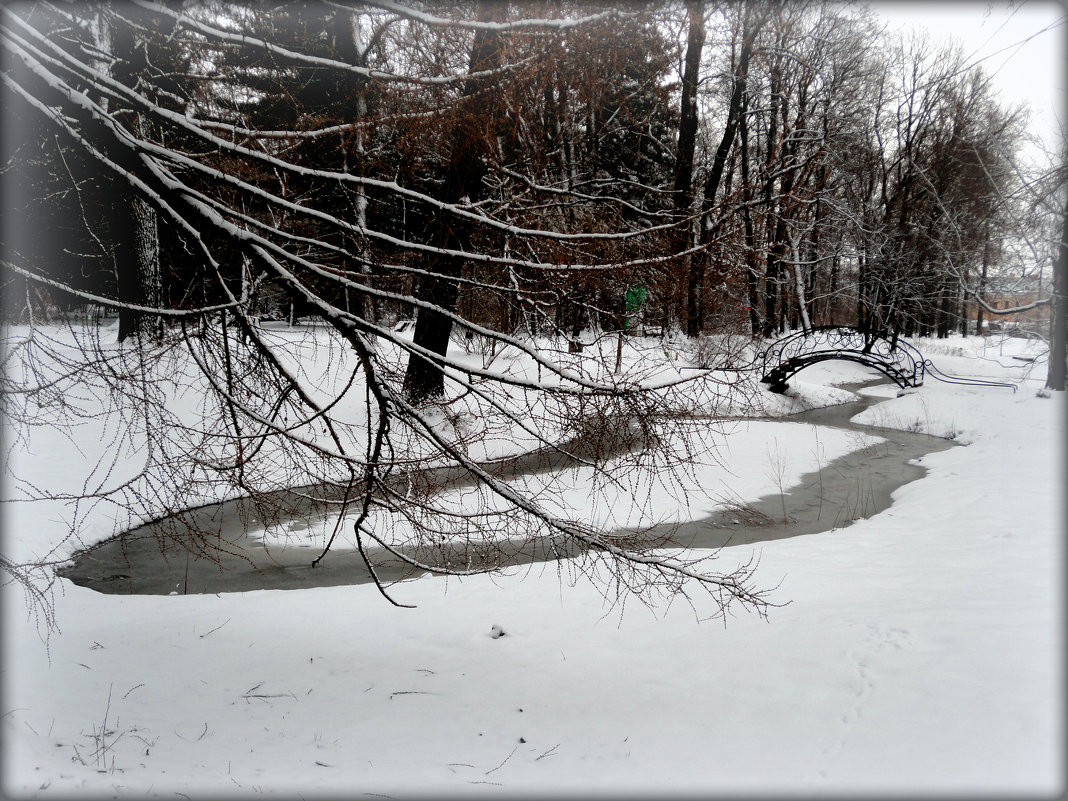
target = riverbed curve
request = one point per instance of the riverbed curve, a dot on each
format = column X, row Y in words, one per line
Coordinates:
column 143, row 561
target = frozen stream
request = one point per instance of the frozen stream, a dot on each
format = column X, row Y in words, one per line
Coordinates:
column 150, row 560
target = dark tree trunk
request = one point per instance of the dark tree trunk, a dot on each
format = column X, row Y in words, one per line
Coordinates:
column 1058, row 321
column 698, row 264
column 774, row 296
column 862, row 292
column 752, row 277
column 771, row 293
column 962, row 306
column 425, row 377
column 683, row 179
column 982, row 288
column 832, row 293
column 136, row 242
column 942, row 315
column 771, row 272
column 136, row 257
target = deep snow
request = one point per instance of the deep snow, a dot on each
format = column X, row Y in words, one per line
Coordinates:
column 916, row 652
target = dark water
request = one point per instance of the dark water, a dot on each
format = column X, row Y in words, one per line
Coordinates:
column 852, row 487
column 161, row 558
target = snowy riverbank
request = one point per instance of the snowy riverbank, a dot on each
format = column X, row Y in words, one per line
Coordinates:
column 920, row 652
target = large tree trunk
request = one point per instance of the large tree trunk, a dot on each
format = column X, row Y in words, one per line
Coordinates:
column 136, row 235
column 136, row 258
column 470, row 141
column 683, row 183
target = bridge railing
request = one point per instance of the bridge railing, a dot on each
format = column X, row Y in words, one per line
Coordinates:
column 898, row 359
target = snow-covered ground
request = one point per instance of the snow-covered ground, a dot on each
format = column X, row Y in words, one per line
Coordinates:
column 915, row 652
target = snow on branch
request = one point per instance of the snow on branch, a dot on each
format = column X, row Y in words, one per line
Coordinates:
column 192, row 126
column 294, row 57
column 558, row 24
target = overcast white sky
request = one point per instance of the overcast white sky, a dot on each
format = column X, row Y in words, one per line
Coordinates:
column 1021, row 44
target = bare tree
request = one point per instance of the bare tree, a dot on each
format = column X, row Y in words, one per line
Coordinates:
column 751, row 23
column 250, row 209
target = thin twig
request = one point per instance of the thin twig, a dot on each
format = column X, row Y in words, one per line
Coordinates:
column 488, row 772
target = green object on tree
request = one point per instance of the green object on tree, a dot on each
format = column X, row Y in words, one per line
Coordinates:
column 635, row 300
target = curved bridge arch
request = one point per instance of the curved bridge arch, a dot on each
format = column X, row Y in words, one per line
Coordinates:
column 900, row 362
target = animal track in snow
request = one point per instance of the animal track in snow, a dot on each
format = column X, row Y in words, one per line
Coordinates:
column 863, row 656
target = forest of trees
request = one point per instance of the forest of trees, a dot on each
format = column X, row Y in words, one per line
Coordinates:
column 755, row 167
column 499, row 170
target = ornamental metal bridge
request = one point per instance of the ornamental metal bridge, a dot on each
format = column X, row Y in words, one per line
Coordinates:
column 899, row 361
